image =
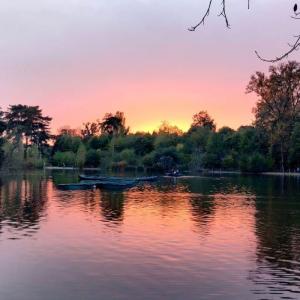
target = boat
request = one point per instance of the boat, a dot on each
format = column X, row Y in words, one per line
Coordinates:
column 108, row 178
column 116, row 184
column 147, row 178
column 105, row 184
column 78, row 185
column 87, row 177
column 173, row 174
column 103, row 178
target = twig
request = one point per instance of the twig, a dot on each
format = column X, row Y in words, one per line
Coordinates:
column 294, row 47
column 193, row 28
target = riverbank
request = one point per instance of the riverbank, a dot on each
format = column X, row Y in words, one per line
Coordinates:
column 212, row 172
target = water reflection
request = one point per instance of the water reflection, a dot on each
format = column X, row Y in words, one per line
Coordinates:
column 112, row 206
column 278, row 242
column 220, row 237
column 23, row 199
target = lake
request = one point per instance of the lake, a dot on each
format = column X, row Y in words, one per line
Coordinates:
column 218, row 237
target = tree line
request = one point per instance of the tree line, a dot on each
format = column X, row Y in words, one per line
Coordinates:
column 271, row 143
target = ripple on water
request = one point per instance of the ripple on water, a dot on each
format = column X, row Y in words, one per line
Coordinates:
column 193, row 238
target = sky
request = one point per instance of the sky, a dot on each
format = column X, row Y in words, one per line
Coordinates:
column 78, row 59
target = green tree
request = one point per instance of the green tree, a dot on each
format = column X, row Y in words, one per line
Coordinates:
column 93, row 158
column 66, row 142
column 128, row 155
column 278, row 105
column 99, row 142
column 64, row 159
column 81, row 156
column 28, row 123
column 294, row 151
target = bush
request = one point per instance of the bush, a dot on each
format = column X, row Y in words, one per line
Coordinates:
column 64, row 159
column 229, row 162
column 128, row 155
column 34, row 159
column 255, row 163
column 66, row 143
column 148, row 159
column 80, row 156
column 99, row 142
column 92, row 158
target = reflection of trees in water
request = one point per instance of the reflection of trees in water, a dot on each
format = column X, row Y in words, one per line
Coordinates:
column 202, row 209
column 112, row 205
column 278, row 240
column 22, row 201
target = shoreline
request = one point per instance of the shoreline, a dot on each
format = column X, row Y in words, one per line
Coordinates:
column 293, row 174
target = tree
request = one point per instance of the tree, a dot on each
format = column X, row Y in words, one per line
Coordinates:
column 2, row 122
column 93, row 158
column 67, row 130
column 28, row 123
column 114, row 124
column 223, row 13
column 167, row 129
column 90, row 129
column 294, row 151
column 203, row 119
column 80, row 156
column 66, row 142
column 278, row 106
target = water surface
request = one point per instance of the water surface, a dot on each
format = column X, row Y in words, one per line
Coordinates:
column 191, row 238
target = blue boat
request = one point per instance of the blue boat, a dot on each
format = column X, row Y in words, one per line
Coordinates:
column 147, row 178
column 116, row 185
column 78, row 185
column 108, row 178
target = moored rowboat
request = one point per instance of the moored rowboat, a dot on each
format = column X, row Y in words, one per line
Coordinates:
column 108, row 178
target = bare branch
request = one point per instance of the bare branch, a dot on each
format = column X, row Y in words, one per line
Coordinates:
column 193, row 28
column 294, row 47
column 223, row 13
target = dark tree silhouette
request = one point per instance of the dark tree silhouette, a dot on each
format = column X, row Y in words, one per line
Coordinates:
column 28, row 123
column 90, row 129
column 114, row 124
column 2, row 122
column 223, row 13
column 203, row 119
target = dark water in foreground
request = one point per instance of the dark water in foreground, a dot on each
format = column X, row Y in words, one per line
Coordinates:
column 197, row 238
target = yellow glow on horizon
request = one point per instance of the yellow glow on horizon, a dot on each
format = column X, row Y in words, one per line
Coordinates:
column 154, row 126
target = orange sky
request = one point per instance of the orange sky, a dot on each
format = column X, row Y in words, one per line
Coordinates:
column 80, row 59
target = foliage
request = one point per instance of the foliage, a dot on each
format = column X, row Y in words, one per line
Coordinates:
column 80, row 156
column 128, row 156
column 272, row 142
column 27, row 122
column 167, row 129
column 64, row 159
column 99, row 142
column 114, row 124
column 278, row 106
column 34, row 159
column 294, row 151
column 66, row 142
column 90, row 129
column 93, row 158
column 203, row 119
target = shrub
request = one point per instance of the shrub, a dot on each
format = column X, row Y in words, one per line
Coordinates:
column 64, row 159
column 128, row 155
column 92, row 158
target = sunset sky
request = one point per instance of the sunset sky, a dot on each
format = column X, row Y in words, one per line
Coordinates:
column 79, row 59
